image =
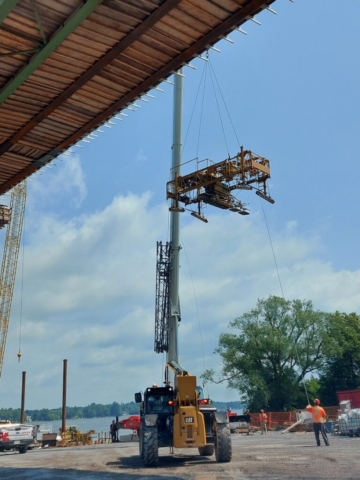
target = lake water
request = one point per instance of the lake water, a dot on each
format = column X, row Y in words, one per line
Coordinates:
column 84, row 424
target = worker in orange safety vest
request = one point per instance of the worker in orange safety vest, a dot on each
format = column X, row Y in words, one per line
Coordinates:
column 263, row 422
column 318, row 418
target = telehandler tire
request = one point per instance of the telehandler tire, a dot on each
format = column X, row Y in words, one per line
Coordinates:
column 150, row 446
column 207, row 451
column 223, row 448
column 141, row 441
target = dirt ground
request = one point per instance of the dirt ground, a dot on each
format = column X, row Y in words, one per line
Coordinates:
column 274, row 456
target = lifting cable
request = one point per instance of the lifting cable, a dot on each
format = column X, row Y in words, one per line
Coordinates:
column 214, row 78
column 225, row 105
column 22, row 288
column 202, row 85
column 202, row 79
column 281, row 288
column 196, row 304
column 212, row 73
column 201, row 111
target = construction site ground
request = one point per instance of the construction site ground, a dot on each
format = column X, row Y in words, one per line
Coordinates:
column 272, row 456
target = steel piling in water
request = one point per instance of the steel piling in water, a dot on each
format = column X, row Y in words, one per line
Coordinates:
column 23, row 387
column 63, row 425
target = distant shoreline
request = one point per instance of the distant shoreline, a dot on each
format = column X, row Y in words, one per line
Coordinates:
column 93, row 410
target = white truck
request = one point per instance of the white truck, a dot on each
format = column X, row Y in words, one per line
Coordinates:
column 16, row 436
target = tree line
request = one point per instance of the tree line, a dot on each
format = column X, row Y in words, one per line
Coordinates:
column 94, row 410
column 282, row 353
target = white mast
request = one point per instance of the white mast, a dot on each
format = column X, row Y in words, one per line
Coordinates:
column 173, row 351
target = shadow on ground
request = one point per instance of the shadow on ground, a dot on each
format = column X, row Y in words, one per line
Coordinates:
column 70, row 474
column 165, row 461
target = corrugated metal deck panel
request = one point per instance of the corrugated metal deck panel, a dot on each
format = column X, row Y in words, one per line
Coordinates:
column 67, row 66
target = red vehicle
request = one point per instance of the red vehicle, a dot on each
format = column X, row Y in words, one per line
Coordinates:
column 131, row 423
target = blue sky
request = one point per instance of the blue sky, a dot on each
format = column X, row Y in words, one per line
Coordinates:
column 92, row 220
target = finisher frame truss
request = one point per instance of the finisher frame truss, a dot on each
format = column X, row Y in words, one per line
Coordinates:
column 215, row 183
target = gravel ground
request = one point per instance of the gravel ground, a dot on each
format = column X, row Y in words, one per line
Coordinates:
column 273, row 456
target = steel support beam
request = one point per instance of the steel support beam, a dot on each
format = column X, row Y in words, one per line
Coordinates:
column 212, row 37
column 120, row 47
column 238, row 18
column 5, row 8
column 62, row 33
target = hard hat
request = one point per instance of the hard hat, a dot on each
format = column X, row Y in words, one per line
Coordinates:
column 262, row 411
column 154, row 385
column 317, row 401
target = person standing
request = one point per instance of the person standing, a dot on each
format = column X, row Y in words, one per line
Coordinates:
column 113, row 430
column 248, row 420
column 263, row 422
column 318, row 418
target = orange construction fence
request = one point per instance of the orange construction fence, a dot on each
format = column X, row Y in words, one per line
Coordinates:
column 281, row 419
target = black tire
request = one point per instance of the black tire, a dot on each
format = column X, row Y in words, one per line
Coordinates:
column 207, row 451
column 2, row 449
column 141, row 442
column 23, row 449
column 223, row 448
column 150, row 446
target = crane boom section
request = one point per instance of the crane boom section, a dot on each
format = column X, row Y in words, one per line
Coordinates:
column 9, row 261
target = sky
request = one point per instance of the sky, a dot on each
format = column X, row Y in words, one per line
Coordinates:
column 85, row 286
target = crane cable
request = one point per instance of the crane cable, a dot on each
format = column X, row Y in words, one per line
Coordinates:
column 281, row 288
column 212, row 73
column 196, row 304
column 22, row 289
column 214, row 78
column 266, row 223
column 225, row 105
column 214, row 81
column 202, row 84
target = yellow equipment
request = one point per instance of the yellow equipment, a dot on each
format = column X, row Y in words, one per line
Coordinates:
column 189, row 425
column 180, row 418
column 215, row 183
column 13, row 217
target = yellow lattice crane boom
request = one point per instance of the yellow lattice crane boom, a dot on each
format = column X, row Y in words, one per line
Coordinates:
column 13, row 217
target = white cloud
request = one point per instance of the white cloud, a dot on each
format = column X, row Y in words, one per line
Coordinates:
column 140, row 157
column 63, row 179
column 89, row 292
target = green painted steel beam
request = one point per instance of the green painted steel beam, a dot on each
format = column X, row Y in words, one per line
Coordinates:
column 5, row 8
column 69, row 26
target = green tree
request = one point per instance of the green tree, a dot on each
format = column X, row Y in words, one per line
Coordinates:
column 115, row 409
column 342, row 369
column 275, row 346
